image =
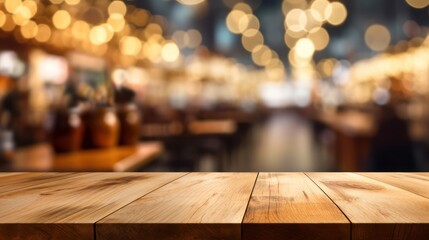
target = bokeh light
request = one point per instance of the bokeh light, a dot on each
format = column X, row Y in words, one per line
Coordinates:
column 377, row 37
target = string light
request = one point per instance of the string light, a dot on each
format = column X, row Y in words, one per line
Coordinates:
column 241, row 20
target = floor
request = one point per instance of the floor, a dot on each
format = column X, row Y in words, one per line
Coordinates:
column 284, row 142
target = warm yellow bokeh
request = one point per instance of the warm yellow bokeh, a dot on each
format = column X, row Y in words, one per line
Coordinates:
column 336, row 13
column 377, row 37
column 44, row 33
column 130, row 45
column 418, row 3
column 170, row 52
column 320, row 38
column 118, row 7
column 61, row 19
column 304, row 48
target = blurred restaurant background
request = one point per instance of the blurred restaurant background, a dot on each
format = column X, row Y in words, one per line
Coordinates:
column 205, row 85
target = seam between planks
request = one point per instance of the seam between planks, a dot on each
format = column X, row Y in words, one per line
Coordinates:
column 95, row 223
column 350, row 222
column 247, row 206
column 383, row 182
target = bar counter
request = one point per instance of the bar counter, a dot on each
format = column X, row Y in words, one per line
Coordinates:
column 214, row 206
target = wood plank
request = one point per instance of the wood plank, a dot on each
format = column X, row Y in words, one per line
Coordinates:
column 196, row 206
column 377, row 210
column 30, row 180
column 415, row 183
column 426, row 174
column 291, row 206
column 67, row 207
column 3, row 174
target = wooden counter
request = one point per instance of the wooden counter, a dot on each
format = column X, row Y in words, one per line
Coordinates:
column 214, row 206
column 42, row 157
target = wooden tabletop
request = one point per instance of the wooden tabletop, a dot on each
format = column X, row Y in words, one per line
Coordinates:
column 41, row 157
column 214, row 206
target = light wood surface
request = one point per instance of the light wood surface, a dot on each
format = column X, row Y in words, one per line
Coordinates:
column 291, row 206
column 375, row 209
column 66, row 206
column 42, row 158
column 411, row 182
column 196, row 206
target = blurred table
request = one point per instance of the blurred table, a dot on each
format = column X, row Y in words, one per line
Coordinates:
column 41, row 157
column 353, row 131
column 216, row 127
column 351, row 123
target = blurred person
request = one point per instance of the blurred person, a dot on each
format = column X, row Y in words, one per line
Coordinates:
column 16, row 104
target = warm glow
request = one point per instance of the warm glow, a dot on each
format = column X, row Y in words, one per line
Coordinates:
column 98, row 35
column 320, row 39
column 250, row 32
column 251, row 41
column 290, row 41
column 261, row 55
column 418, row 3
column 304, row 48
column 190, row 2
column 9, row 24
column 153, row 29
column 326, row 67
column 44, row 33
column 319, row 7
column 130, row 45
column 377, row 37
column 118, row 7
column 61, row 19
column 12, row 5
column 336, row 13
column 29, row 30
column 22, row 15
column 170, row 52
column 296, row 20
column 80, row 30
column 109, row 31
column 2, row 18
column 312, row 23
column 72, row 2
column 117, row 22
column 152, row 50
column 31, row 6
column 233, row 20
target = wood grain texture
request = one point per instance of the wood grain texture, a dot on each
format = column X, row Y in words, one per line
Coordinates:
column 426, row 174
column 415, row 183
column 21, row 182
column 291, row 206
column 3, row 174
column 377, row 210
column 64, row 205
column 196, row 206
